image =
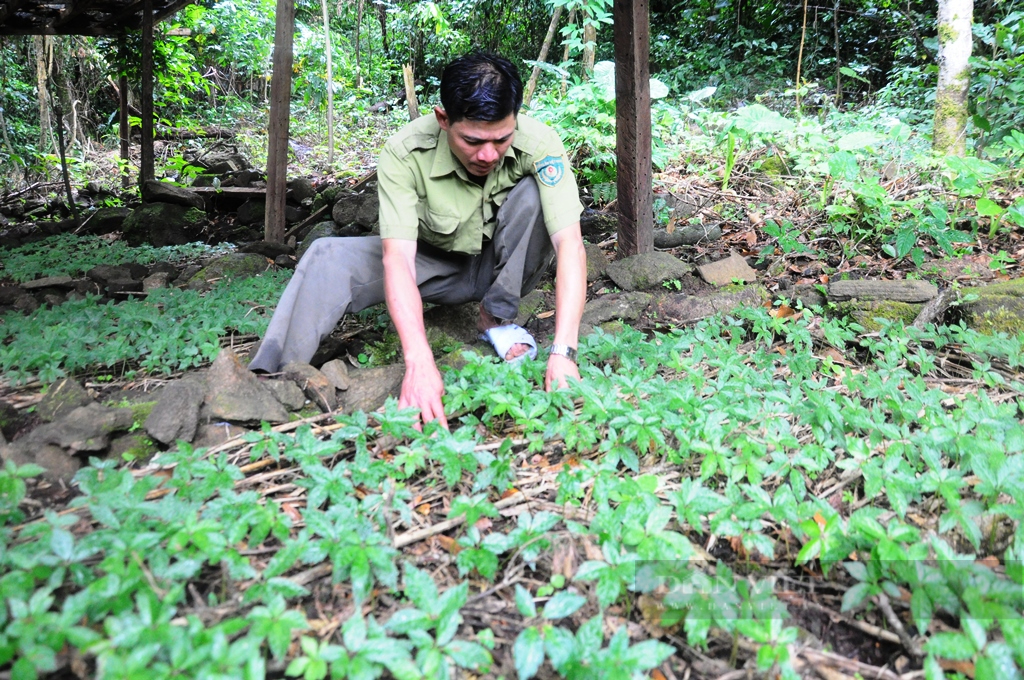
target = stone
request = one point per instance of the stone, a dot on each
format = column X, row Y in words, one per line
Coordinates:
column 625, row 306
column 107, row 220
column 10, row 420
column 647, row 270
column 996, row 308
column 86, row 428
column 154, row 191
column 26, row 303
column 267, row 249
column 287, row 394
column 688, row 235
column 62, row 398
column 867, row 312
column 223, row 163
column 596, row 225
column 53, row 299
column 176, row 414
column 597, row 262
column 65, row 282
column 682, row 308
column 301, row 188
column 215, row 434
column 164, row 224
column 322, row 230
column 251, row 212
column 229, row 266
column 900, row 291
column 346, row 208
column 155, row 281
column 727, row 271
column 350, row 230
column 60, row 466
column 809, row 295
column 234, row 393
column 201, row 181
column 165, row 268
column 530, row 305
column 136, row 271
column 8, row 294
column 367, row 214
column 336, row 371
column 456, row 321
column 285, row 261
column 293, row 215
column 123, row 287
column 315, row 384
column 131, row 447
column 103, row 273
column 369, row 388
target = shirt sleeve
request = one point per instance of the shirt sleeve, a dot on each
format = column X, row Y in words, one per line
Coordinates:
column 559, row 196
column 396, row 189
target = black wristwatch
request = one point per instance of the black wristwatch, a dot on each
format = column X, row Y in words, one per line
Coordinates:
column 565, row 351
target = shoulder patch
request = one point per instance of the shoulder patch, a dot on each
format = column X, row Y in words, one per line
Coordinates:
column 550, row 170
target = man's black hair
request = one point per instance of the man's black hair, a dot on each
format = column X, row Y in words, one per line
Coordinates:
column 481, row 86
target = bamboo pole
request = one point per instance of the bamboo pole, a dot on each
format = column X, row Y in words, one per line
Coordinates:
column 800, row 56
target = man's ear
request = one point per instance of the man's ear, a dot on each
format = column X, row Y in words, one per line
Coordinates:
column 442, row 118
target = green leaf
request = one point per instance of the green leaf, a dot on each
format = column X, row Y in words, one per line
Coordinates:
column 758, row 119
column 469, row 655
column 524, row 602
column 858, row 140
column 528, row 652
column 988, row 208
column 563, row 604
column 954, row 646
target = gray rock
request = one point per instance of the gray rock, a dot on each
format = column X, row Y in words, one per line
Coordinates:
column 222, row 162
column 10, row 420
column 287, row 393
column 61, row 399
column 164, row 224
column 301, row 188
column 227, row 267
column 123, row 287
column 456, row 321
column 132, row 446
column 597, row 262
column 626, row 306
column 104, row 273
column 60, row 465
column 724, row 272
column 204, row 181
column 156, row 280
column 899, row 291
column 8, row 294
column 215, row 434
column 336, row 371
column 808, row 295
column 165, row 268
column 350, row 230
column 285, row 261
column 689, row 235
column 315, row 384
column 176, row 414
column 368, row 209
column 322, row 230
column 87, row 428
column 267, row 249
column 682, row 308
column 647, row 270
column 26, row 303
column 251, row 212
column 108, row 220
column 65, row 282
column 369, row 388
column 53, row 299
column 597, row 225
column 234, row 393
column 346, row 209
column 293, row 215
column 154, row 191
column 530, row 305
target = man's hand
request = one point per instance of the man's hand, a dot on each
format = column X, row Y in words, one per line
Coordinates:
column 560, row 369
column 423, row 388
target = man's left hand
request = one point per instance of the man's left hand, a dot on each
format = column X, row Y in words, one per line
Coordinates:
column 560, row 369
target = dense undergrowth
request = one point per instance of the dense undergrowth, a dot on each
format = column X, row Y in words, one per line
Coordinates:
column 878, row 470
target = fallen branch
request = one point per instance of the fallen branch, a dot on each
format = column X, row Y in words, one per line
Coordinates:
column 911, row 645
column 934, row 309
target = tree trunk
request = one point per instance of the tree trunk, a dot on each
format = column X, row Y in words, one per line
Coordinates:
column 565, row 52
column 359, row 29
column 590, row 44
column 954, row 20
column 548, row 39
column 330, row 81
column 410, row 92
column 382, row 17
column 800, row 56
column 39, row 43
column 280, row 116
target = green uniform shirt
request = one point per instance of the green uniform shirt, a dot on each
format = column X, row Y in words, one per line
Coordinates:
column 427, row 195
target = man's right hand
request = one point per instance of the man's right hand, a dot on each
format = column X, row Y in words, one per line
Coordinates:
column 423, row 388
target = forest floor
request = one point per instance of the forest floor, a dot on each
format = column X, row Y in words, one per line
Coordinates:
column 776, row 491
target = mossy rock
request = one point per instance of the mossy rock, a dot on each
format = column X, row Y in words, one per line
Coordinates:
column 141, row 410
column 230, row 266
column 164, row 224
column 997, row 308
column 774, row 166
column 866, row 313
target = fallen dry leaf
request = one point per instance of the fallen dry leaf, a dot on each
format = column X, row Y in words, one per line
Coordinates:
column 423, row 509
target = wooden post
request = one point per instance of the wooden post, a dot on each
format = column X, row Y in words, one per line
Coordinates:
column 633, row 127
column 330, row 81
column 548, row 39
column 123, row 129
column 410, row 92
column 147, row 170
column 280, row 112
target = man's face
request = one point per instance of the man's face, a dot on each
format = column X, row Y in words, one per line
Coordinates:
column 479, row 145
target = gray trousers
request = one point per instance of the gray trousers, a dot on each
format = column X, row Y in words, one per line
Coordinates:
column 337, row 276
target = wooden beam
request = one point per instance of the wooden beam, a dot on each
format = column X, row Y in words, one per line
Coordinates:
column 75, row 10
column 147, row 170
column 171, row 9
column 280, row 112
column 633, row 126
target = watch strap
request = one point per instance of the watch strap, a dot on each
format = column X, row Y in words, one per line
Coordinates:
column 565, row 351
